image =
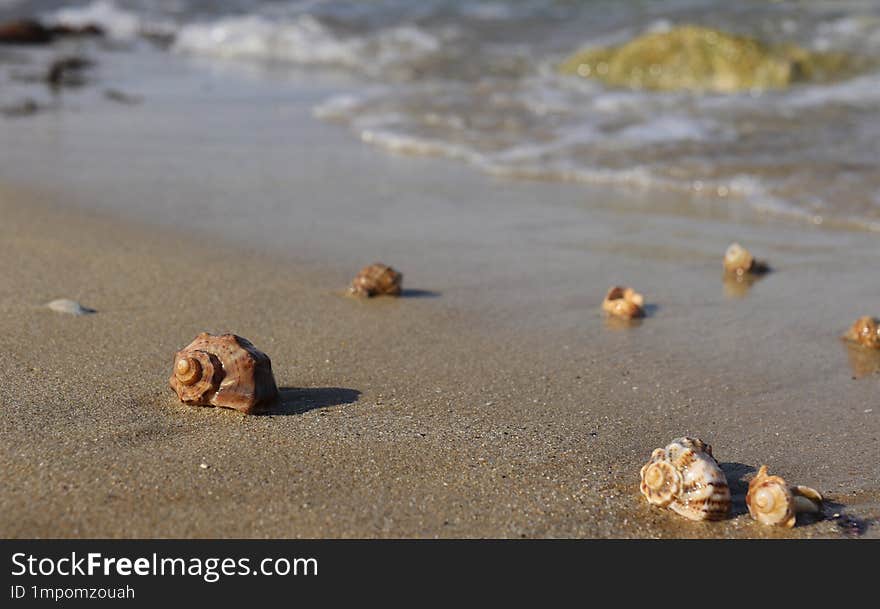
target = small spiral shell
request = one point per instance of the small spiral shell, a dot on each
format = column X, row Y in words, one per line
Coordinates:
column 685, row 477
column 866, row 332
column 770, row 501
column 738, row 260
column 624, row 303
column 376, row 280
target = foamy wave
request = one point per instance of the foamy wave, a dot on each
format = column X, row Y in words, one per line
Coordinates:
column 672, row 129
column 306, row 40
column 861, row 91
column 117, row 22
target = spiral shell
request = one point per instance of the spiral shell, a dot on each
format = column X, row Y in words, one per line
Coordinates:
column 377, row 279
column 772, row 501
column 624, row 303
column 225, row 371
column 738, row 260
column 866, row 332
column 685, row 478
column 769, row 500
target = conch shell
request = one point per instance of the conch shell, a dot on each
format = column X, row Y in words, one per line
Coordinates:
column 865, row 331
column 375, row 280
column 772, row 501
column 624, row 303
column 738, row 260
column 685, row 477
column 225, row 371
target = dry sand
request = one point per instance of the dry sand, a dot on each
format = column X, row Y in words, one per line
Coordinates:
column 398, row 417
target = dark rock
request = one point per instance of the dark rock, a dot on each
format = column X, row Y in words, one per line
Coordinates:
column 24, row 31
column 89, row 30
column 31, row 31
column 67, row 72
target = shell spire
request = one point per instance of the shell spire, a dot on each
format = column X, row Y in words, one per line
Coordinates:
column 685, row 478
column 225, row 371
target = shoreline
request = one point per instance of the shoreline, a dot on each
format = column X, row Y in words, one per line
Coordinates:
column 397, row 418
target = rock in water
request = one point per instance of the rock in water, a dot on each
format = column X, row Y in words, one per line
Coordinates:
column 70, row 307
column 24, row 31
column 32, row 32
column 695, row 58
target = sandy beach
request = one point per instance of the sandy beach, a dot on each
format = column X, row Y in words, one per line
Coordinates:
column 492, row 400
column 398, row 418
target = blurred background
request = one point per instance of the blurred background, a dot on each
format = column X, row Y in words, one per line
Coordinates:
column 751, row 104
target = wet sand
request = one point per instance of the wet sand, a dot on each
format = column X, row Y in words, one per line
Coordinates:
column 493, row 401
column 398, row 417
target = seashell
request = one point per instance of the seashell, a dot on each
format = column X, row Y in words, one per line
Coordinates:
column 771, row 501
column 376, row 280
column 685, row 478
column 225, row 371
column 865, row 331
column 69, row 307
column 623, row 302
column 738, row 260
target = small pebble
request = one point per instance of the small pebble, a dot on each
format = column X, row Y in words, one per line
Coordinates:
column 69, row 307
column 203, row 465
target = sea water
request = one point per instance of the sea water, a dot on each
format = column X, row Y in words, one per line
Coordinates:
column 477, row 81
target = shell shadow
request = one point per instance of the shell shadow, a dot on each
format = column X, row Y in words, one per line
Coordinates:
column 847, row 524
column 299, row 400
column 419, row 294
column 736, row 479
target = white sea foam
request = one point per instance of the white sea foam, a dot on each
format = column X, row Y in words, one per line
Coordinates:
column 477, row 80
column 117, row 22
column 306, row 40
column 670, row 129
column 859, row 91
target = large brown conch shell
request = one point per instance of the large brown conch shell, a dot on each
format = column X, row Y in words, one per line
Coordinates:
column 685, row 478
column 865, row 331
column 377, row 279
column 225, row 371
column 772, row 501
column 624, row 303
